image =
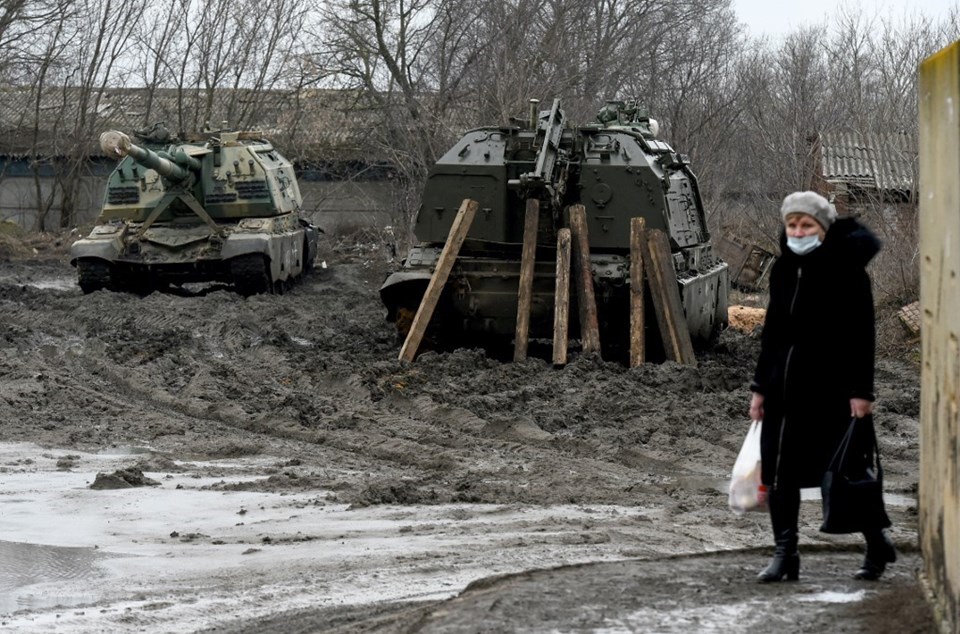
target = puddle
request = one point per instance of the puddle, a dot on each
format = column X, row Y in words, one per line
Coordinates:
column 892, row 499
column 56, row 284
column 896, row 499
column 23, row 565
column 707, row 618
column 831, row 596
column 49, row 284
column 699, row 483
column 125, row 451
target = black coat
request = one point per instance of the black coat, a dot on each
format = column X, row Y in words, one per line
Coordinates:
column 817, row 352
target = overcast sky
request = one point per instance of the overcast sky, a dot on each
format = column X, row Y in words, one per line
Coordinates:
column 777, row 17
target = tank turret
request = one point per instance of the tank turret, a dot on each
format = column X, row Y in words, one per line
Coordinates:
column 223, row 208
column 616, row 168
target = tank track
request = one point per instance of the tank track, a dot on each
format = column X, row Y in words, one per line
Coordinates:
column 251, row 274
column 93, row 275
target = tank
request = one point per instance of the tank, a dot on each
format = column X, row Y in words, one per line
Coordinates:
column 225, row 207
column 615, row 167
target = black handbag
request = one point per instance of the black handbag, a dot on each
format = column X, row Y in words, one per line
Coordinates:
column 852, row 488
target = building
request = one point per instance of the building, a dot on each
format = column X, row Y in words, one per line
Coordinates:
column 861, row 172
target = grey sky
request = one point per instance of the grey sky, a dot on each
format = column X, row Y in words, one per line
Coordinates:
column 777, row 17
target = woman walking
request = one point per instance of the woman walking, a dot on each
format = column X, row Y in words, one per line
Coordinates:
column 815, row 369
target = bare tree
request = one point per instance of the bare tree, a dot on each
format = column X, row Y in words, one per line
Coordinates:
column 41, row 149
column 381, row 52
column 101, row 37
column 156, row 49
column 24, row 24
column 901, row 48
column 693, row 90
column 267, row 54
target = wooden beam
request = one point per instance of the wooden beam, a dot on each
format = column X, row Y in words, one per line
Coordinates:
column 561, row 305
column 664, row 290
column 458, row 233
column 525, row 290
column 586, row 300
column 638, row 236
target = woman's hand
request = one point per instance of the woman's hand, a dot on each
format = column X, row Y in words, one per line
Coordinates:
column 756, row 406
column 860, row 407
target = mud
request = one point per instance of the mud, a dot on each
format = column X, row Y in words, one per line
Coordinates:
column 466, row 466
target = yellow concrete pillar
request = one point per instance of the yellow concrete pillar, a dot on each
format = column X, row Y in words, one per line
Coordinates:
column 940, row 302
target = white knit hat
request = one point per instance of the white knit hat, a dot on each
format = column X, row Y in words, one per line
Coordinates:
column 810, row 203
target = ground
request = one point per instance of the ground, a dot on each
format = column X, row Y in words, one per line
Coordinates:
column 282, row 471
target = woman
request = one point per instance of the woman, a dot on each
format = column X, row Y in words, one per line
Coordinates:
column 815, row 370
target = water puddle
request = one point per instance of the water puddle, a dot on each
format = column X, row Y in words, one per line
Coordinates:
column 704, row 619
column 23, row 565
column 49, row 284
column 831, row 596
column 125, row 451
column 56, row 284
column 701, row 483
column 892, row 499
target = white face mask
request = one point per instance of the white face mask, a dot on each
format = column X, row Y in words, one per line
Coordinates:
column 804, row 245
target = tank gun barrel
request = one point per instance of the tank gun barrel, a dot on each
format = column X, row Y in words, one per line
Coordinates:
column 551, row 129
column 118, row 144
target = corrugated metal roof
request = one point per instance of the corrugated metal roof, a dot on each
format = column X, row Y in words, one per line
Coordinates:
column 323, row 120
column 882, row 161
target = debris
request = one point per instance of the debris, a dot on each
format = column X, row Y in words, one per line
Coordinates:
column 66, row 463
column 746, row 319
column 910, row 316
column 122, row 479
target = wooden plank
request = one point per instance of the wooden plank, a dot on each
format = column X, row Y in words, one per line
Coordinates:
column 657, row 298
column 638, row 236
column 525, row 291
column 561, row 306
column 665, row 292
column 458, row 233
column 586, row 300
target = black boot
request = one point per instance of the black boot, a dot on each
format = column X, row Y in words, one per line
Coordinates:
column 784, row 511
column 880, row 552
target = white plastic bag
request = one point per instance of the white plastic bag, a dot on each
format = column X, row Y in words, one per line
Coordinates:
column 747, row 492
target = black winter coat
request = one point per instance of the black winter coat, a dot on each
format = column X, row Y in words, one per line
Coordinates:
column 817, row 352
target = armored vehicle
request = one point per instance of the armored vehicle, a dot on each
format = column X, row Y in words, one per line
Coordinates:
column 222, row 208
column 615, row 167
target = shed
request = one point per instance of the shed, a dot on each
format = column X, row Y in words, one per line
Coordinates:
column 857, row 169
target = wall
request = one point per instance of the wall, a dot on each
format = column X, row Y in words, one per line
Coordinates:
column 940, row 305
column 341, row 205
column 18, row 200
column 331, row 205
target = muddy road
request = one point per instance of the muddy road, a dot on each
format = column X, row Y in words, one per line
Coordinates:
column 294, row 476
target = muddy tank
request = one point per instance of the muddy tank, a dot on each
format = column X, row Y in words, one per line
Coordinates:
column 615, row 167
column 223, row 208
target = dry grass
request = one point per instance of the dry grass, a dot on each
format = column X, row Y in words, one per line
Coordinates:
column 894, row 339
column 19, row 244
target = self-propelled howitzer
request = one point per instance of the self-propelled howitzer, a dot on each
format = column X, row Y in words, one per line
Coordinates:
column 617, row 169
column 224, row 208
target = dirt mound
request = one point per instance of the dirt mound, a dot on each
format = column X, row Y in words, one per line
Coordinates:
column 122, row 479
